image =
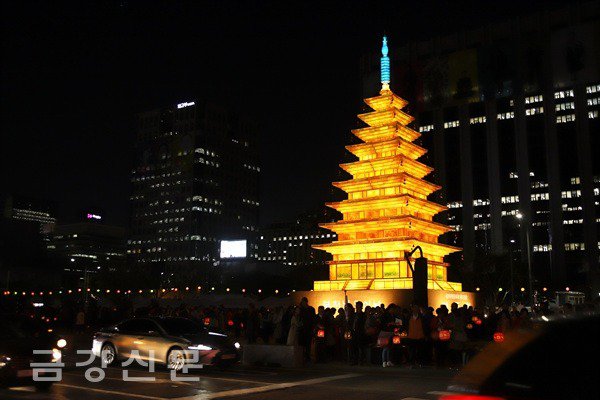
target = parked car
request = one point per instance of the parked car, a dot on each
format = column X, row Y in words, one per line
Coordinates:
column 556, row 360
column 171, row 341
column 19, row 337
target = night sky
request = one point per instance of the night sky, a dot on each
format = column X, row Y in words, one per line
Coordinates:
column 74, row 75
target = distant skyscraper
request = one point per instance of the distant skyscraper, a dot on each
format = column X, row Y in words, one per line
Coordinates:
column 195, row 183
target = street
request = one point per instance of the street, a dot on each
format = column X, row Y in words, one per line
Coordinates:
column 318, row 381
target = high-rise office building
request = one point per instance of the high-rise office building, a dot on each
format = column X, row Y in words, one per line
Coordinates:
column 290, row 243
column 195, row 183
column 81, row 250
column 510, row 113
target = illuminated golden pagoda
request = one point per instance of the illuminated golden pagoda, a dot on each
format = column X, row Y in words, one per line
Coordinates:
column 387, row 212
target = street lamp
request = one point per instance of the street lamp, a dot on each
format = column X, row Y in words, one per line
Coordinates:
column 520, row 216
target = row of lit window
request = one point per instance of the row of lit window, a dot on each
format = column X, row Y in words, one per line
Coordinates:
column 167, row 184
column 167, row 175
column 568, row 247
column 252, row 167
column 252, row 202
column 250, row 228
column 477, row 120
column 561, row 119
column 564, row 93
column 534, row 111
column 515, row 199
column 592, row 89
column 301, row 237
column 201, row 160
column 534, row 99
column 206, row 200
column 200, row 150
column 514, row 175
column 565, row 106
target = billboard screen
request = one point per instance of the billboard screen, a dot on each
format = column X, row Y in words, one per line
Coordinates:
column 233, row 248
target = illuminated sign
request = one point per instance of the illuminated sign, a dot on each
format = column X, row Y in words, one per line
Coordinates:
column 94, row 216
column 186, row 104
column 233, row 248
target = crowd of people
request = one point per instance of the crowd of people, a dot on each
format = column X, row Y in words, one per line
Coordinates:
column 356, row 334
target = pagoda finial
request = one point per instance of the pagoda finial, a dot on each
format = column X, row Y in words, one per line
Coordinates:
column 385, row 66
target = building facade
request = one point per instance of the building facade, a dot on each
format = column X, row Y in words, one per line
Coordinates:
column 290, row 243
column 84, row 249
column 195, row 183
column 510, row 113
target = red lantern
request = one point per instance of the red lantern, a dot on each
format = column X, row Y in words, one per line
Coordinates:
column 444, row 335
column 474, row 318
column 396, row 339
column 478, row 322
column 321, row 333
column 403, row 334
column 469, row 326
column 207, row 321
column 230, row 323
column 498, row 337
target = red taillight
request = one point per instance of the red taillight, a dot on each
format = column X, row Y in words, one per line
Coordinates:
column 321, row 333
column 498, row 337
column 468, row 397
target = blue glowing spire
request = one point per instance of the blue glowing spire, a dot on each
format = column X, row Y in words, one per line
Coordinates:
column 385, row 66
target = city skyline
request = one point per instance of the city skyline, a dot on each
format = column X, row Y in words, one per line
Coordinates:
column 84, row 132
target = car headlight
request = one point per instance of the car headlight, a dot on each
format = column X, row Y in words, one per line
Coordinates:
column 56, row 355
column 61, row 343
column 200, row 347
column 237, row 345
column 4, row 360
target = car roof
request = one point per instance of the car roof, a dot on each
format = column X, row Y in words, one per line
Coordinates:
column 494, row 355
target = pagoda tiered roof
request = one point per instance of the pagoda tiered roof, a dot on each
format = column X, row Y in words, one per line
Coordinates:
column 378, row 133
column 381, row 166
column 386, row 117
column 386, row 244
column 402, row 180
column 385, row 223
column 403, row 200
column 386, row 100
column 393, row 146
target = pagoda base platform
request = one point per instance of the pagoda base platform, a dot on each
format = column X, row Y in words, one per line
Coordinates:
column 369, row 297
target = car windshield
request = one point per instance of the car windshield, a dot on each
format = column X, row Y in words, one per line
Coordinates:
column 180, row 326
